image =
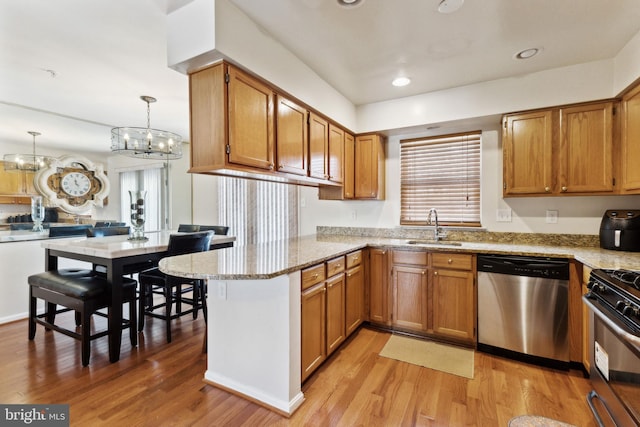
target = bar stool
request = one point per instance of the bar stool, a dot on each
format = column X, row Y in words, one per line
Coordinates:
column 80, row 290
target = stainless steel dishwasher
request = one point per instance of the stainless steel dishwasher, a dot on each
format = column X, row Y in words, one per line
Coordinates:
column 523, row 308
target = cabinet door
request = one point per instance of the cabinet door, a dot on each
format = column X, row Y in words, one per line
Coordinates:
column 336, row 153
column 318, row 146
column 369, row 167
column 630, row 138
column 349, row 173
column 313, row 321
column 586, row 149
column 410, row 297
column 292, row 140
column 527, row 144
column 251, row 121
column 454, row 311
column 335, row 312
column 354, row 296
column 11, row 182
column 378, row 287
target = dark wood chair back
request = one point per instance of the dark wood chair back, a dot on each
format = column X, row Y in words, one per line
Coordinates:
column 180, row 244
column 69, row 230
column 221, row 230
column 99, row 224
column 188, row 228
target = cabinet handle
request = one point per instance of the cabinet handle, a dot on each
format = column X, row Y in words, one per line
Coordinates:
column 356, row 258
column 564, row 189
column 315, row 276
column 270, row 166
column 423, row 272
column 349, row 274
column 547, row 189
column 449, row 261
column 435, row 273
column 280, row 166
column 338, row 265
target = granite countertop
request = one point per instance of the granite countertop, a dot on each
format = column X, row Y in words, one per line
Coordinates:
column 268, row 260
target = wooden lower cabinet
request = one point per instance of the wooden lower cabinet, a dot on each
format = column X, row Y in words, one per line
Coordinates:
column 378, row 286
column 354, row 296
column 430, row 293
column 331, row 308
column 410, row 291
column 335, row 312
column 454, row 302
column 313, row 324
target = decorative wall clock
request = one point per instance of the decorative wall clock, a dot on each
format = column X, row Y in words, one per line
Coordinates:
column 73, row 183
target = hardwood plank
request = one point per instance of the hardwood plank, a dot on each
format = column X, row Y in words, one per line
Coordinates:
column 161, row 384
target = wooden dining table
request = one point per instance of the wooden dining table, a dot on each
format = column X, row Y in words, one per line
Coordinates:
column 116, row 253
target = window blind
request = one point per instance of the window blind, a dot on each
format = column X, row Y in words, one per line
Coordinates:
column 443, row 173
column 258, row 211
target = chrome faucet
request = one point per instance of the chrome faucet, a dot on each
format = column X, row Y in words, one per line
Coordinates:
column 438, row 233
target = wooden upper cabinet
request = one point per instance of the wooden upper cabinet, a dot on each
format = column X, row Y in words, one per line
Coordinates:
column 585, row 153
column 251, row 121
column 527, row 147
column 561, row 150
column 292, row 137
column 318, row 146
column 369, row 167
column 349, row 173
column 16, row 187
column 232, row 121
column 630, row 173
column 336, row 153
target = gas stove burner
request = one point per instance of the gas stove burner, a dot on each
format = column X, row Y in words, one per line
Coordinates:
column 631, row 278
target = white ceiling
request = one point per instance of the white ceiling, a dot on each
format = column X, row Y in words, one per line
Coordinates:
column 106, row 53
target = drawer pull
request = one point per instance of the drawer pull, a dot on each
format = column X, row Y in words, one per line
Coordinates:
column 315, row 276
column 435, row 273
column 450, row 261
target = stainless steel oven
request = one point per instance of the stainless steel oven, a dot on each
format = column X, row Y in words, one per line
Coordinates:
column 614, row 328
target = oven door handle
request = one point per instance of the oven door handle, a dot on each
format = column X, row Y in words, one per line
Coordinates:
column 630, row 338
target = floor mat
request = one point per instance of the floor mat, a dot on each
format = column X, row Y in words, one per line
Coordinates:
column 446, row 358
column 536, row 421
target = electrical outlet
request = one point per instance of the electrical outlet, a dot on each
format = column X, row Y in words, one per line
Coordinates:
column 503, row 215
column 552, row 217
column 354, row 215
column 303, row 202
column 222, row 290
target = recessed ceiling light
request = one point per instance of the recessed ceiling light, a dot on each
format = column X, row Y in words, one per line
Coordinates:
column 401, row 81
column 449, row 6
column 350, row 3
column 527, row 53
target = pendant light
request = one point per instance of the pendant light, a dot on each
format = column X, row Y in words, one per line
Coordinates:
column 27, row 162
column 146, row 143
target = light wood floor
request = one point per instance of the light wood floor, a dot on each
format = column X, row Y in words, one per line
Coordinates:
column 159, row 384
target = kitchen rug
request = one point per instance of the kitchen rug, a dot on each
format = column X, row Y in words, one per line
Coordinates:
column 441, row 357
column 536, row 421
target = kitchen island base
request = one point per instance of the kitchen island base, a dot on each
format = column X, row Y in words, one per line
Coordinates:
column 254, row 340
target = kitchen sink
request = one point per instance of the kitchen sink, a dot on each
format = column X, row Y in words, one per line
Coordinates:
column 433, row 243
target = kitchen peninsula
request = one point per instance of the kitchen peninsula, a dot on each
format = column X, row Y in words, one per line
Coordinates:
column 254, row 323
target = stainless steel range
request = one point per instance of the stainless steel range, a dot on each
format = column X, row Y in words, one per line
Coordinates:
column 614, row 329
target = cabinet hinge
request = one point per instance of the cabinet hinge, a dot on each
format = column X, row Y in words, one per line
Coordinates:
column 504, row 185
column 227, row 78
column 228, row 149
column 613, row 111
column 614, row 182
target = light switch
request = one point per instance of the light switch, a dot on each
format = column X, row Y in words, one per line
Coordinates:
column 552, row 217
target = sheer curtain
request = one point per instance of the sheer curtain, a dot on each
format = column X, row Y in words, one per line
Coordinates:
column 151, row 180
column 258, row 211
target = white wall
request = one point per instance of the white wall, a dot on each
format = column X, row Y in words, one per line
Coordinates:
column 576, row 215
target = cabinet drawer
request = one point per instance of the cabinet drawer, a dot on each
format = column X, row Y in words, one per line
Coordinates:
column 335, row 266
column 410, row 257
column 354, row 258
column 312, row 275
column 454, row 261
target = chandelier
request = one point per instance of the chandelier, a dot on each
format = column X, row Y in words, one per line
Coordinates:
column 27, row 162
column 146, row 143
